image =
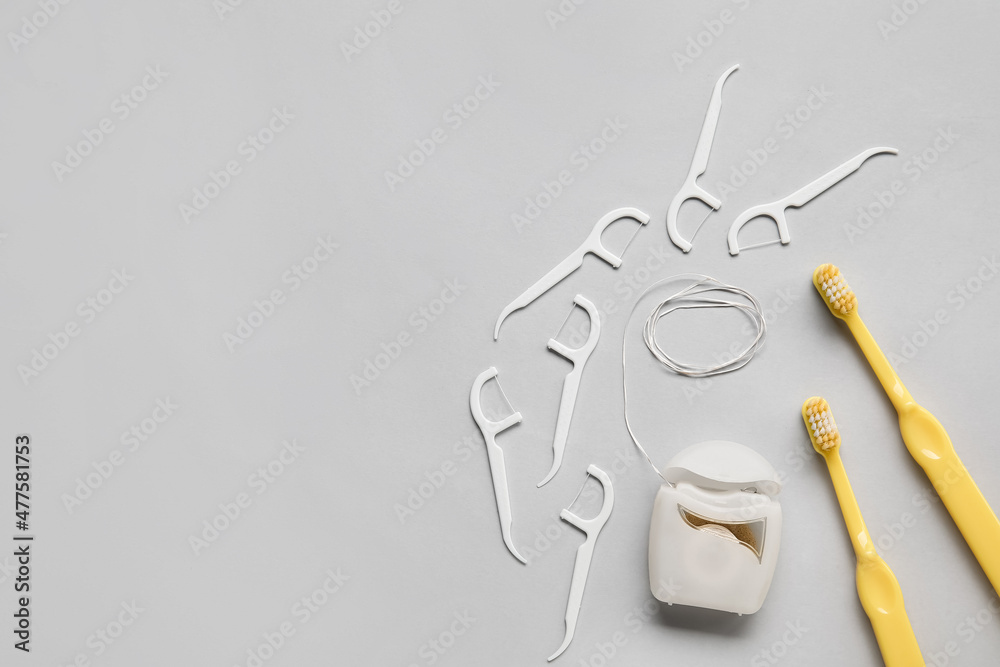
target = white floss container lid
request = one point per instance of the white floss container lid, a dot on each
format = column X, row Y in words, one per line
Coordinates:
column 723, row 466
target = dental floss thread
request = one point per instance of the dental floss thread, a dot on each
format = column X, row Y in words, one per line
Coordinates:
column 692, row 297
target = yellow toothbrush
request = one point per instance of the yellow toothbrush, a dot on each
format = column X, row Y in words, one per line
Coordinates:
column 925, row 438
column 878, row 589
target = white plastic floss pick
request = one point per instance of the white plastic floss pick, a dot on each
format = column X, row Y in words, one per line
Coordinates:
column 776, row 209
column 571, row 385
column 498, row 469
column 592, row 244
column 699, row 163
column 585, row 553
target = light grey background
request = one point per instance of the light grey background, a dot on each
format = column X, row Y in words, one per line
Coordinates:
column 367, row 451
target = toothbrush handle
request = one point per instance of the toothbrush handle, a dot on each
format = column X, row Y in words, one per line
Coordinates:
column 878, row 590
column 882, row 600
column 931, row 447
column 973, row 516
column 884, row 371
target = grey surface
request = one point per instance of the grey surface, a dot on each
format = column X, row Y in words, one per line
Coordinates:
column 366, row 452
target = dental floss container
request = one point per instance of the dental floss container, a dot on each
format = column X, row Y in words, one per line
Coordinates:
column 716, row 529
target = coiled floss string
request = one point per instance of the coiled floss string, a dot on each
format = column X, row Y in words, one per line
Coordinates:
column 695, row 295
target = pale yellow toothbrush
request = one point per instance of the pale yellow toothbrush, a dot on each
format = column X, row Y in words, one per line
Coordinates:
column 924, row 436
column 878, row 589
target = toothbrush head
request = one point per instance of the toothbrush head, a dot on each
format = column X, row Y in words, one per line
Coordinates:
column 836, row 293
column 819, row 422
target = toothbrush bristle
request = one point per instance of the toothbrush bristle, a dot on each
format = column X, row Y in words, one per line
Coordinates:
column 819, row 422
column 833, row 288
